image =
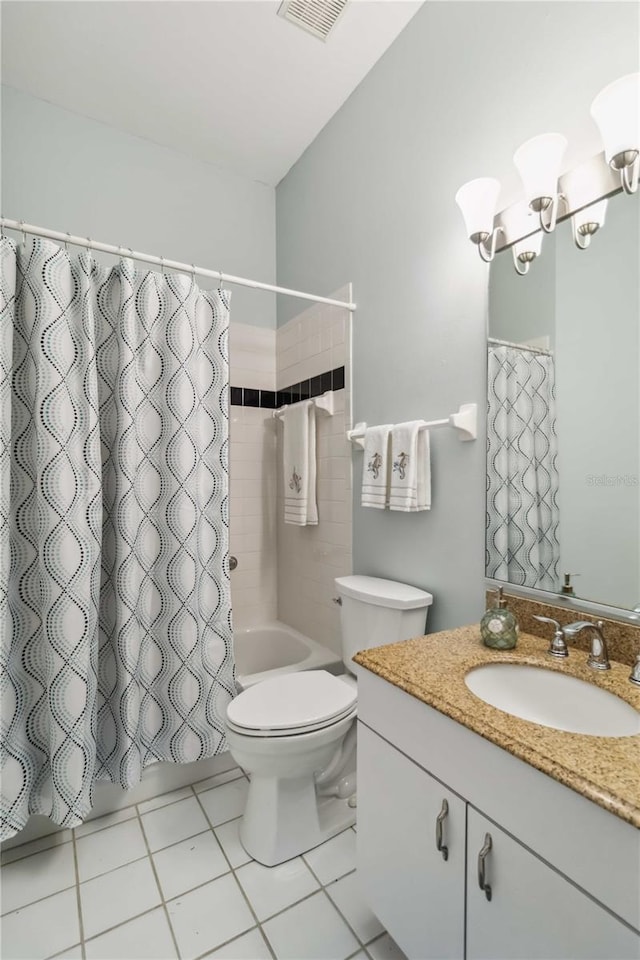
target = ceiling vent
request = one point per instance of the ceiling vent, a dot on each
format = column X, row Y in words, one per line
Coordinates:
column 316, row 16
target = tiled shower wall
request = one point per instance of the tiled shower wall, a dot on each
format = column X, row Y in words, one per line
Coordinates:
column 286, row 572
column 252, row 451
column 309, row 558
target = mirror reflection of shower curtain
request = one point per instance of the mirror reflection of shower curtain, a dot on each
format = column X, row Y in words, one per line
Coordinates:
column 522, row 470
column 115, row 606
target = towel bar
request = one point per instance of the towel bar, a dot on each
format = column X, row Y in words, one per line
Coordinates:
column 465, row 421
column 324, row 404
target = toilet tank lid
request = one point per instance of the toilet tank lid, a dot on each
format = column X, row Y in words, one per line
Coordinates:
column 383, row 593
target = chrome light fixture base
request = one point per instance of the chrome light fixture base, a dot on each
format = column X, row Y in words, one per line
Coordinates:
column 628, row 163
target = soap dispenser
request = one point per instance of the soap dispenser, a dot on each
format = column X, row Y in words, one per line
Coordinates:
column 499, row 627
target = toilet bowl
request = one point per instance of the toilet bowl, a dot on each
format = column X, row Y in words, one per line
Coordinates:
column 295, row 735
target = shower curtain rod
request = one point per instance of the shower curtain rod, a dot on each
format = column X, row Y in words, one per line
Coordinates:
column 520, row 346
column 163, row 262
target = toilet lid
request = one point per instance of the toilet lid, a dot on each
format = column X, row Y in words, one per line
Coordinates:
column 293, row 701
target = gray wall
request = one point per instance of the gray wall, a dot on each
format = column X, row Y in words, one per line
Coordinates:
column 372, row 201
column 66, row 172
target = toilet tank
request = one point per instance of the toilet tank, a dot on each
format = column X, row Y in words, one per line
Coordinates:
column 375, row 611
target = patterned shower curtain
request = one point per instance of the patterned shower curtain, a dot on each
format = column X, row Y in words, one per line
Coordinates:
column 115, row 605
column 522, row 471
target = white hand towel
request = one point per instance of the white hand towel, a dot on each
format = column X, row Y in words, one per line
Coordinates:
column 411, row 468
column 299, row 456
column 375, row 468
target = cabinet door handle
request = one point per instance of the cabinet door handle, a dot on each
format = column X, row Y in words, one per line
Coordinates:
column 444, row 812
column 482, row 856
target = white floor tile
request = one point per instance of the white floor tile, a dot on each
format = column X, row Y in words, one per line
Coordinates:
column 41, row 929
column 37, row 876
column 164, row 799
column 250, row 946
column 228, row 836
column 385, row 949
column 271, row 889
column 173, row 823
column 145, row 938
column 312, row 930
column 225, row 802
column 218, row 780
column 346, row 895
column 118, row 896
column 209, row 916
column 35, row 846
column 110, row 848
column 189, row 863
column 333, row 858
column 99, row 823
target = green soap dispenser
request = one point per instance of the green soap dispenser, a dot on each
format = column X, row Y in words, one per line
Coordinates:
column 499, row 627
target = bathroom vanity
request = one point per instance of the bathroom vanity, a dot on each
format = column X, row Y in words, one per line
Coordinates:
column 481, row 835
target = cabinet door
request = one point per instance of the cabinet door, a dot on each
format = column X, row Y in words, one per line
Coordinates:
column 534, row 913
column 417, row 894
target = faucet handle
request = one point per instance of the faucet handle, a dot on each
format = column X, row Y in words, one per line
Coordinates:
column 634, row 676
column 558, row 647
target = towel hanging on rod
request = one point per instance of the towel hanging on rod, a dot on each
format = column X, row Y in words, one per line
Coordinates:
column 465, row 421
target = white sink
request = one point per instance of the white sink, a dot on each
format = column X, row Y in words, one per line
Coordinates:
column 553, row 699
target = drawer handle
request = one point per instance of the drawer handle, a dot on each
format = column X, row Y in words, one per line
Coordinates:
column 440, row 846
column 482, row 856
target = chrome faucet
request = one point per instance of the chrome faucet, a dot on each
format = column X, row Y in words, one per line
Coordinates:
column 558, row 647
column 599, row 655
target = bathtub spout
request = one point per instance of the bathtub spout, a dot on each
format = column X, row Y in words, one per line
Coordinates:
column 331, row 782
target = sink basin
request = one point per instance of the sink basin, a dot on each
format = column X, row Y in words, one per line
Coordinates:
column 553, row 699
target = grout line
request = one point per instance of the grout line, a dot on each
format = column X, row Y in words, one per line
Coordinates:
column 55, row 893
column 123, row 923
column 105, row 872
column 76, row 869
column 54, row 846
column 208, row 953
column 233, row 874
column 155, row 874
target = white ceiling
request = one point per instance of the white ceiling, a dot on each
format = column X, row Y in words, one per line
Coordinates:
column 227, row 81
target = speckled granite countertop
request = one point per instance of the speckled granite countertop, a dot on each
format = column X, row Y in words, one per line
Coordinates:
column 606, row 770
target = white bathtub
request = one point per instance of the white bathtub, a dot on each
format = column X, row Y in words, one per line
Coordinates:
column 273, row 649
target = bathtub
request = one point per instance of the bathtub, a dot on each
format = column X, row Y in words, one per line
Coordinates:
column 274, row 649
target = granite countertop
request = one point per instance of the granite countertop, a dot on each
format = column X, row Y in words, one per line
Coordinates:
column 606, row 770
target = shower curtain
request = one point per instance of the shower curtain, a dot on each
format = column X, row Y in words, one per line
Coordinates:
column 115, row 605
column 522, row 470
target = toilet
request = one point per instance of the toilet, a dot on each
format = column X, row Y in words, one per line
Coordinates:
column 295, row 735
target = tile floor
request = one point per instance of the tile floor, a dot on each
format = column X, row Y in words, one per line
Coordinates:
column 168, row 878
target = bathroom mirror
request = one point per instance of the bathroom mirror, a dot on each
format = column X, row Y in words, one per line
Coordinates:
column 563, row 460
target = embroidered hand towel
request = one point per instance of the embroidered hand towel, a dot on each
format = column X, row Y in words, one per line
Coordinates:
column 411, row 468
column 299, row 456
column 375, row 468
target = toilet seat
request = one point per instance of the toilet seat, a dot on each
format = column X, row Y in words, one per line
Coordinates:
column 296, row 703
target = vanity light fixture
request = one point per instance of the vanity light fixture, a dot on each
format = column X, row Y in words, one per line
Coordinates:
column 587, row 222
column 538, row 161
column 616, row 111
column 478, row 200
column 525, row 251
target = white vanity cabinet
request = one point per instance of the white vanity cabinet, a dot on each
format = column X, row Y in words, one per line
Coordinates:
column 564, row 873
column 405, row 878
column 534, row 912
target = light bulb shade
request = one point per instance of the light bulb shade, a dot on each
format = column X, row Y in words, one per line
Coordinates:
column 538, row 162
column 616, row 111
column 478, row 200
column 593, row 214
column 530, row 247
